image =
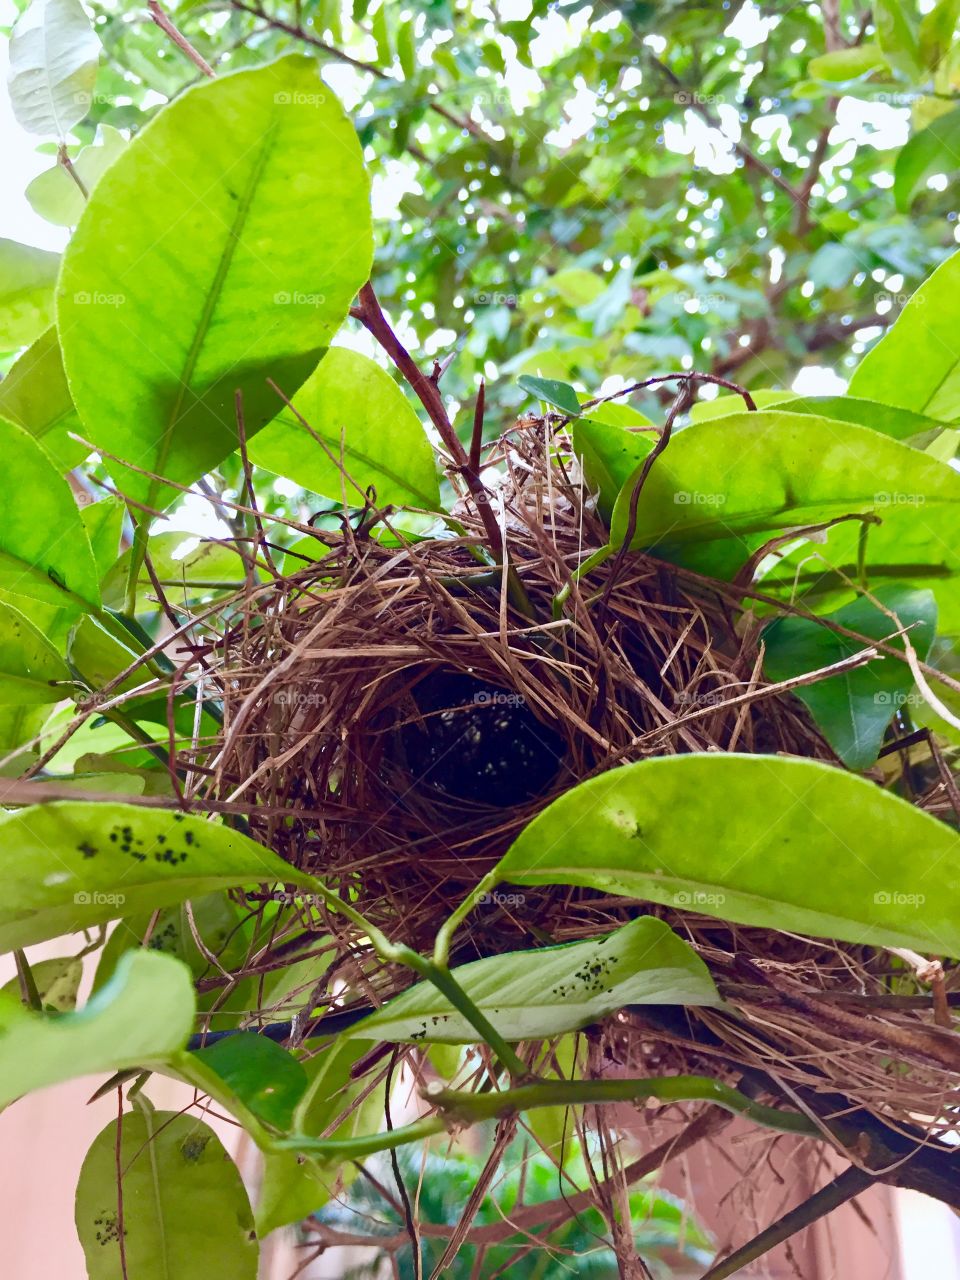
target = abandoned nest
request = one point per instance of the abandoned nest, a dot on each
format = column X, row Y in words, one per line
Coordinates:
column 395, row 712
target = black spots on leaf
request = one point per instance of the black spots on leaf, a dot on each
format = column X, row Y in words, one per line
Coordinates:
column 134, row 846
column 165, row 938
column 87, row 849
column 106, row 1228
column 193, row 1146
column 637, row 832
column 179, row 817
column 588, row 980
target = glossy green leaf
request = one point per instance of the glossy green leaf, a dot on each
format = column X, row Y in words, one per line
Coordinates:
column 854, row 709
column 34, row 395
column 898, row 424
column 723, row 405
column 31, row 669
column 560, row 394
column 27, row 279
column 186, row 1215
column 935, row 149
column 55, row 196
column 551, row 990
column 267, row 1079
column 916, row 365
column 360, row 414
column 54, row 54
column 761, row 840
column 847, row 64
column 73, row 864
column 721, row 488
column 57, row 981
column 936, row 32
column 897, row 36
column 609, row 455
column 144, row 1012
column 45, row 553
column 206, row 282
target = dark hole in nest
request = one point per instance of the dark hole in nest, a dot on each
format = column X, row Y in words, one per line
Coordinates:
column 475, row 741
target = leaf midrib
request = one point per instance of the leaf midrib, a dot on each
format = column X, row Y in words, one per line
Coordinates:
column 210, row 302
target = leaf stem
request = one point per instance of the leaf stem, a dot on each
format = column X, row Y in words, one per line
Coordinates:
column 470, row 1108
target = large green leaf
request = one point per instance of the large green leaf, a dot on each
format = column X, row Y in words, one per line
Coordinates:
column 853, row 709
column 361, row 415
column 186, row 1215
column 34, row 395
column 31, row 669
column 54, row 195
column 27, row 279
column 44, row 549
column 208, row 283
column 267, row 1079
column 545, row 992
column 53, row 66
column 608, row 455
column 899, row 424
column 144, row 1012
column 935, row 149
column 761, row 840
column 722, row 487
column 73, row 864
column 917, row 364
column 897, row 35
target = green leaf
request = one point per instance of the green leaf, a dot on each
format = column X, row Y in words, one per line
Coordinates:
column 936, row 32
column 144, row 1012
column 31, row 670
column 55, row 196
column 205, row 570
column 383, row 441
column 186, row 1215
column 268, row 1080
column 34, row 395
column 73, row 864
column 935, row 149
column 407, row 48
column 847, row 64
column 724, row 405
column 54, row 54
column 609, row 455
column 761, row 840
column 898, row 424
column 57, row 981
column 27, row 279
column 207, row 282
column 722, row 487
column 854, row 709
column 916, row 365
column 897, row 37
column 560, row 394
column 44, row 549
column 546, row 992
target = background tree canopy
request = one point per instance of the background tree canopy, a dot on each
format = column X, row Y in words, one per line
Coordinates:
column 590, row 191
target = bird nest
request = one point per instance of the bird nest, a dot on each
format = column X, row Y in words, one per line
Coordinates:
column 399, row 708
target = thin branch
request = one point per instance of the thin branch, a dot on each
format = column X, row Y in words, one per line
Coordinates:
column 179, row 39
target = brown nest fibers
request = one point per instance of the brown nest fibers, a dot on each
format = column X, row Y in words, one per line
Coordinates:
column 398, row 709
